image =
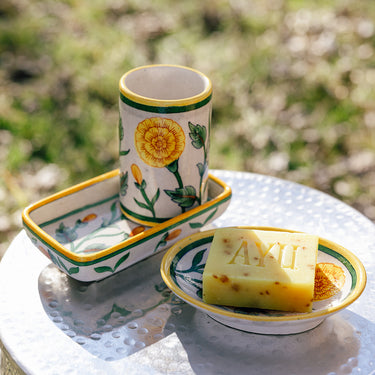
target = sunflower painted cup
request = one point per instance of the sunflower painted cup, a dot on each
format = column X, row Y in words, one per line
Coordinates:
column 165, row 116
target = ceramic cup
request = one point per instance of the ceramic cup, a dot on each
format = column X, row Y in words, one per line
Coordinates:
column 165, row 116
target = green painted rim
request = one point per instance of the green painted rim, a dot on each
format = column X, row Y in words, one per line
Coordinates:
column 126, row 247
column 348, row 260
column 343, row 260
column 207, row 240
column 167, row 109
column 144, row 219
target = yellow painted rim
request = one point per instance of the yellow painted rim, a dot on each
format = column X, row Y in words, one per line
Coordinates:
column 63, row 193
column 225, row 194
column 354, row 261
column 164, row 103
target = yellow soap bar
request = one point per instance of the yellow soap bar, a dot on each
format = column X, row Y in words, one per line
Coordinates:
column 261, row 269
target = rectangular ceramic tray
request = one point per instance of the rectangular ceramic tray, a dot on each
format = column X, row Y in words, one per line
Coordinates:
column 81, row 229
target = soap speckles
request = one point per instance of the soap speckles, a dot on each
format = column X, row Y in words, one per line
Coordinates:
column 235, row 287
column 226, row 242
column 224, row 278
column 246, row 268
column 227, row 246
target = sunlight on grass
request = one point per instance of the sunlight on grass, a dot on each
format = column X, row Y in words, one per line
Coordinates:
column 293, row 87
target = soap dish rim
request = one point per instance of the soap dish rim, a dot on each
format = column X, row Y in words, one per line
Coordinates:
column 213, row 309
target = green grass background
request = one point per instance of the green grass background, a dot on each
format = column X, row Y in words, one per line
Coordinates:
column 293, row 89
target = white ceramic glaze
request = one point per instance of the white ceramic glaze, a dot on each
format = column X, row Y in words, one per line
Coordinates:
column 165, row 115
column 182, row 268
column 83, row 232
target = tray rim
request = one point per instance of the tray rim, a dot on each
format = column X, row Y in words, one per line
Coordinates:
column 85, row 259
column 354, row 294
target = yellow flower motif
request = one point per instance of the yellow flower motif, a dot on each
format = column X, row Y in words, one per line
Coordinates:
column 137, row 174
column 159, row 141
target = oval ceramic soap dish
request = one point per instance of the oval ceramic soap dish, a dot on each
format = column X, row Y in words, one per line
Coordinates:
column 340, row 280
column 83, row 232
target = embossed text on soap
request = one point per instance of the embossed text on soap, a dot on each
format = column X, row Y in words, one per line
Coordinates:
column 285, row 255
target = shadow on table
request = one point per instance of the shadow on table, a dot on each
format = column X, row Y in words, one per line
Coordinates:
column 115, row 317
column 332, row 347
column 128, row 312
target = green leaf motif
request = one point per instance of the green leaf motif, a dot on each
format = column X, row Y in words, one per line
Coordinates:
column 196, row 266
column 140, row 204
column 141, row 186
column 196, row 225
column 120, row 129
column 121, row 260
column 200, row 225
column 198, row 258
column 211, row 215
column 200, row 293
column 156, row 197
column 149, row 205
column 115, row 216
column 113, row 213
column 73, row 270
column 173, row 167
column 162, row 241
column 53, row 258
column 65, row 234
column 60, row 264
column 201, row 169
column 198, row 135
column 121, row 134
column 123, row 183
column 103, row 269
column 184, row 197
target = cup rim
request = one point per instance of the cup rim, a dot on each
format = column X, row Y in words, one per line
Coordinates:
column 144, row 100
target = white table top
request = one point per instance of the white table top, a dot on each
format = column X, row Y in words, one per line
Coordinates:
column 38, row 332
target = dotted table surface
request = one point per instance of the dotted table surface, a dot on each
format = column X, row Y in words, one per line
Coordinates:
column 131, row 323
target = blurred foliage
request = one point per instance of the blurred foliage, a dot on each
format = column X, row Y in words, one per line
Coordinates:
column 293, row 89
